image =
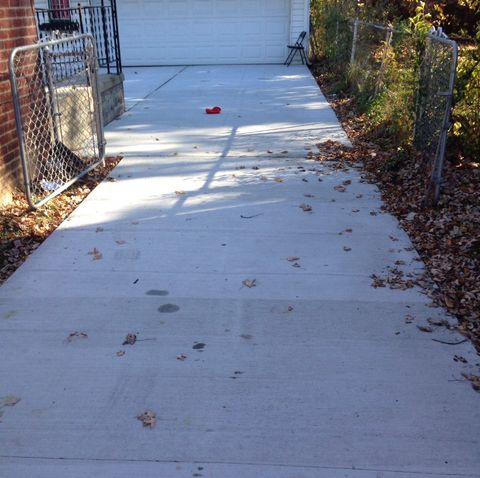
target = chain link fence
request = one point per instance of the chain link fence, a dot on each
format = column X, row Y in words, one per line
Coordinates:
column 434, row 104
column 382, row 64
column 58, row 114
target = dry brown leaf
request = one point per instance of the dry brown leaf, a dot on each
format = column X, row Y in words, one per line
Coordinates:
column 292, row 258
column 340, row 188
column 120, row 353
column 130, row 339
column 76, row 334
column 97, row 255
column 180, row 193
column 278, row 180
column 181, row 357
column 439, row 322
column 9, row 401
column 306, row 207
column 249, row 283
column 148, row 418
column 424, row 328
column 475, row 379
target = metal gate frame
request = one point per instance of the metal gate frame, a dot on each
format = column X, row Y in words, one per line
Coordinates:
column 50, row 91
column 438, row 165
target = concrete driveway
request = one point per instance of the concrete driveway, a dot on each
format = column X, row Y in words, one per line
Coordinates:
column 311, row 372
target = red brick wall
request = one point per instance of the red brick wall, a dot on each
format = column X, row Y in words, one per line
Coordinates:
column 17, row 27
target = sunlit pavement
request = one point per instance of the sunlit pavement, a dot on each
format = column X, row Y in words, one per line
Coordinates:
column 310, row 372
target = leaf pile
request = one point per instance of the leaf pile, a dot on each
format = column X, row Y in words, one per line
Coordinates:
column 447, row 237
column 23, row 230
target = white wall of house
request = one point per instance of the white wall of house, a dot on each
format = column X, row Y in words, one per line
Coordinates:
column 299, row 19
column 173, row 32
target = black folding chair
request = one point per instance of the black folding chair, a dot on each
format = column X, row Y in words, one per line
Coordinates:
column 297, row 48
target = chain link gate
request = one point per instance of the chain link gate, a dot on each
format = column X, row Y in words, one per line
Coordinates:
column 58, row 114
column 434, row 104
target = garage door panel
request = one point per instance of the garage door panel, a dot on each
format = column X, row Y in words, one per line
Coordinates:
column 156, row 32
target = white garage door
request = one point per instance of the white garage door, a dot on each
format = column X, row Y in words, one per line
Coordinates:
column 195, row 32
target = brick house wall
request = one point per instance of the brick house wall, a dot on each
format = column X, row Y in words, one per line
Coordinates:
column 17, row 27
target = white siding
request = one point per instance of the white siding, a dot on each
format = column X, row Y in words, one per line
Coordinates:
column 132, row 29
column 183, row 32
column 299, row 20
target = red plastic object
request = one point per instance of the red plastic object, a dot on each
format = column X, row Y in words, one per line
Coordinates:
column 213, row 111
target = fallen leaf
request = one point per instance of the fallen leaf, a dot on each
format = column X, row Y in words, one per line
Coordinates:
column 75, row 334
column 292, row 258
column 97, row 255
column 289, row 308
column 347, row 249
column 99, row 229
column 249, row 283
column 340, row 188
column 148, row 418
column 475, row 379
column 180, row 193
column 181, row 357
column 424, row 328
column 130, row 339
column 439, row 322
column 120, row 242
column 278, row 180
column 9, row 401
column 308, row 195
column 120, row 353
column 306, row 207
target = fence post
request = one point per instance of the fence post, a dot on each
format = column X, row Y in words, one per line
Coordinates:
column 354, row 41
column 437, row 175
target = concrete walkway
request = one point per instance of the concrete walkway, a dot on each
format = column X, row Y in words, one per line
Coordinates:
column 310, row 373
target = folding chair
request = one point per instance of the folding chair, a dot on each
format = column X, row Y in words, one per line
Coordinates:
column 297, row 48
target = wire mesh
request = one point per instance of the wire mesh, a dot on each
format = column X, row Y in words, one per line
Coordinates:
column 405, row 83
column 369, row 54
column 434, row 102
column 58, row 112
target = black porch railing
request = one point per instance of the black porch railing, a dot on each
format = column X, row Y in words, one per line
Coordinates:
column 100, row 21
